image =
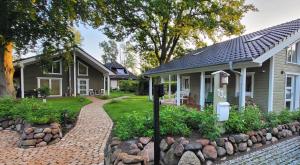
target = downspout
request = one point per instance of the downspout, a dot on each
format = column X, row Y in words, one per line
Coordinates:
column 232, row 70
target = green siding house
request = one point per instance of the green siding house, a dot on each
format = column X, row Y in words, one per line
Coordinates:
column 264, row 68
column 85, row 76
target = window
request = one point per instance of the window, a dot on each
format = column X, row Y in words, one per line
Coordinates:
column 289, row 92
column 291, row 54
column 185, row 83
column 121, row 71
column 249, row 84
column 55, row 68
column 82, row 69
column 55, row 85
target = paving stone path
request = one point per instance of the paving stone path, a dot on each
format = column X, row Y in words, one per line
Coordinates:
column 84, row 144
column 283, row 153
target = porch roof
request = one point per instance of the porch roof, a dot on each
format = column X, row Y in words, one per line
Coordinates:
column 246, row 48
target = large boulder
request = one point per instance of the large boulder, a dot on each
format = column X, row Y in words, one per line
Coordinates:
column 39, row 135
column 242, row 147
column 193, row 146
column 148, row 152
column 275, row 131
column 268, row 136
column 189, row 158
column 178, row 150
column 170, row 158
column 253, row 139
column 203, row 142
column 170, row 140
column 274, row 140
column 144, row 140
column 229, row 148
column 164, row 145
column 31, row 142
column 221, row 151
column 221, row 142
column 210, row 152
column 249, row 143
column 201, row 156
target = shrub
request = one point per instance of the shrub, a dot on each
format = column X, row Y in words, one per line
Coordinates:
column 44, row 91
column 271, row 119
column 247, row 120
column 128, row 85
column 285, row 116
column 6, row 105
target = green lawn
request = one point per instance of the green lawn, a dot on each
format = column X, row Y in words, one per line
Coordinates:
column 117, row 108
column 115, row 94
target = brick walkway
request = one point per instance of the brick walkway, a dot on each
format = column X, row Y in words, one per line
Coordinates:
column 84, row 144
column 283, row 153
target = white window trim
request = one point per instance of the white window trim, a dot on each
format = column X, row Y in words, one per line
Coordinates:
column 183, row 83
column 50, row 78
column 292, row 91
column 87, row 69
column 87, row 85
column 237, row 85
column 52, row 73
column 297, row 54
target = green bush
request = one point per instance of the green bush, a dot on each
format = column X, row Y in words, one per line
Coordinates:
column 44, row 91
column 175, row 121
column 247, row 120
column 271, row 120
column 6, row 106
column 285, row 116
column 128, row 85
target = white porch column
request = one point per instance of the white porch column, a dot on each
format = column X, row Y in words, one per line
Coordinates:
column 150, row 88
column 104, row 83
column 242, row 94
column 178, row 90
column 108, row 85
column 202, row 90
column 22, row 81
column 75, row 78
column 169, row 91
column 271, row 85
column 297, row 94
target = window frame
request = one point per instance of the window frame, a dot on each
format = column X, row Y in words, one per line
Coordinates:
column 237, row 84
column 183, row 82
column 50, row 84
column 295, row 55
column 292, row 88
column 87, row 69
column 53, row 73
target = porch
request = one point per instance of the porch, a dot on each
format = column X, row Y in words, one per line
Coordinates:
column 197, row 89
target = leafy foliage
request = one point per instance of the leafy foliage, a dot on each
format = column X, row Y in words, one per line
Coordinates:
column 247, row 120
column 110, row 50
column 44, row 91
column 35, row 111
column 174, row 120
column 160, row 29
column 128, row 85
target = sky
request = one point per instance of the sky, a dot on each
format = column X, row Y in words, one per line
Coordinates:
column 271, row 12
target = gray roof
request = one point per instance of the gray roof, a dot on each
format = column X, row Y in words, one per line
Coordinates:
column 244, row 48
column 115, row 65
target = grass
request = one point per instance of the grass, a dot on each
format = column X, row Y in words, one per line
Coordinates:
column 117, row 108
column 115, row 94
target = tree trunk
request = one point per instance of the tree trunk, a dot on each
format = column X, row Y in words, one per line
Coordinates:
column 9, row 69
column 3, row 89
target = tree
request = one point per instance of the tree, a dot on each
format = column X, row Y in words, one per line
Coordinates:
column 162, row 29
column 110, row 50
column 130, row 58
column 27, row 24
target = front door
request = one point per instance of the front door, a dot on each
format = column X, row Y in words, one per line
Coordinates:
column 83, row 86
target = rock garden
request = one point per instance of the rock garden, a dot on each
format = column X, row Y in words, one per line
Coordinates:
column 38, row 123
column 244, row 132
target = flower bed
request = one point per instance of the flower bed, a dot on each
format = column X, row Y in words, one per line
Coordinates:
column 183, row 151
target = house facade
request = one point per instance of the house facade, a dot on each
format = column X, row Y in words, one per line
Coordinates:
column 264, row 69
column 85, row 76
column 120, row 73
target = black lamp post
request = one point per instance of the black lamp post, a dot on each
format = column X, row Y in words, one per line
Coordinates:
column 158, row 92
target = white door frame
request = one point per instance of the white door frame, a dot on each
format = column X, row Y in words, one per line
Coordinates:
column 292, row 88
column 87, row 85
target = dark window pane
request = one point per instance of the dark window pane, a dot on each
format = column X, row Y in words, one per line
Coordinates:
column 288, row 81
column 82, row 69
column 288, row 105
column 56, row 67
column 248, row 83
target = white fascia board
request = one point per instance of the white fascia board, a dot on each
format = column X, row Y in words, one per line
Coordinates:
column 95, row 61
column 290, row 40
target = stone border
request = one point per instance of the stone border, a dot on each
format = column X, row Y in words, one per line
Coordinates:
column 183, row 151
column 33, row 136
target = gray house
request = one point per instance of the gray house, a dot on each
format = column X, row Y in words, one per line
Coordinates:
column 86, row 76
column 264, row 68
